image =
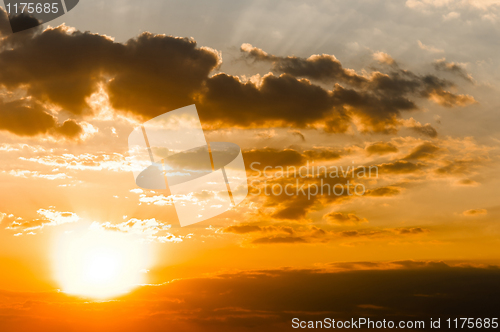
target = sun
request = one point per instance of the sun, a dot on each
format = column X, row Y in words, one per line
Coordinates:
column 99, row 264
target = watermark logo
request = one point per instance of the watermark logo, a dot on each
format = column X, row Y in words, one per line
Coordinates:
column 170, row 152
column 311, row 180
column 25, row 14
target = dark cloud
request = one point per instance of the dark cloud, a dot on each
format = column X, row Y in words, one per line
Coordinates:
column 268, row 300
column 379, row 113
column 381, row 148
column 457, row 167
column 69, row 128
column 279, row 240
column 390, row 90
column 271, row 231
column 400, row 167
column 282, row 100
column 58, row 66
column 18, row 22
column 425, row 130
column 467, row 182
column 289, row 157
column 362, row 233
column 383, row 192
column 297, row 204
column 475, row 212
column 454, row 68
column 302, row 235
column 410, row 264
column 159, row 73
column 415, row 230
column 358, row 265
column 344, row 218
column 424, row 151
column 298, row 133
column 293, row 207
column 272, row 157
column 23, row 22
column 319, row 67
column 31, row 119
column 147, row 75
column 324, row 154
column 5, row 28
column 151, row 74
column 245, row 229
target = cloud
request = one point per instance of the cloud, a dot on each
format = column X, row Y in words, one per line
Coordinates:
column 245, row 229
column 31, row 119
column 49, row 217
column 383, row 58
column 297, row 232
column 457, row 167
column 344, row 218
column 294, row 201
column 5, row 147
column 426, row 130
column 34, row 174
column 411, row 264
column 233, row 301
column 429, row 48
column 148, row 75
column 293, row 207
column 273, row 157
column 292, row 233
column 400, row 167
column 282, row 100
column 362, row 233
column 454, row 68
column 415, row 230
column 475, row 212
column 383, row 192
column 447, row 99
column 322, row 67
column 297, row 133
column 428, row 5
column 381, row 148
column 88, row 161
column 160, row 73
column 148, row 229
column 377, row 99
column 451, row 16
column 58, row 218
column 279, row 240
column 5, row 28
column 424, row 151
column 152, row 74
column 468, row 182
column 417, row 160
column 17, row 23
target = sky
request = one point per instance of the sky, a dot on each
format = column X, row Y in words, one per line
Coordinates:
column 409, row 88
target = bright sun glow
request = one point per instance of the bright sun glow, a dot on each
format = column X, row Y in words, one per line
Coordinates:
column 99, row 264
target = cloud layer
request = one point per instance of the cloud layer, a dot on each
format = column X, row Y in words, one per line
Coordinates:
column 56, row 71
column 268, row 300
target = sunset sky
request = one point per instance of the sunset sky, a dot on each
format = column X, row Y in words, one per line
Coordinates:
column 409, row 87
